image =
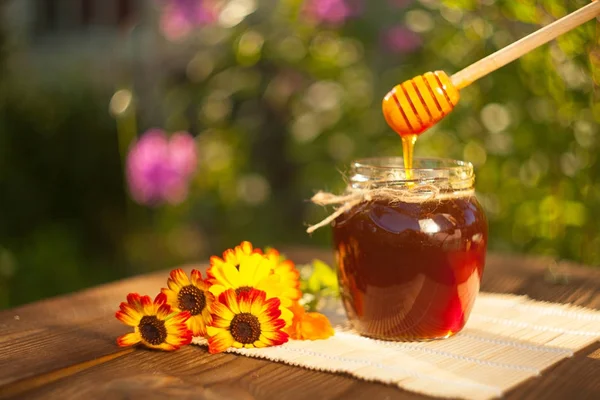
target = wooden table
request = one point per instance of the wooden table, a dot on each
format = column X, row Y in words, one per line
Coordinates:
column 65, row 348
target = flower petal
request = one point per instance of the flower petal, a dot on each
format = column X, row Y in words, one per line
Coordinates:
column 292, row 293
column 286, row 315
column 229, row 299
column 129, row 339
column 220, row 310
column 137, row 301
column 196, row 325
column 213, row 330
column 172, row 298
column 173, row 286
column 214, row 262
column 196, row 279
column 315, row 326
column 177, row 318
column 258, row 305
column 227, row 275
column 179, row 278
column 163, row 311
column 273, row 303
column 273, row 254
column 274, row 338
column 131, row 313
column 269, row 315
column 217, row 289
column 160, row 299
column 246, row 247
column 147, row 305
column 128, row 319
column 220, row 342
column 179, row 340
column 245, row 300
column 207, row 316
column 271, row 285
column 272, row 326
column 223, row 323
column 253, row 269
column 230, row 257
column 164, row 346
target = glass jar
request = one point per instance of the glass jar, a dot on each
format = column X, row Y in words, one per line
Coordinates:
column 411, row 254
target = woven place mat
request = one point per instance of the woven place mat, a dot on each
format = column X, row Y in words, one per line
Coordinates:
column 507, row 340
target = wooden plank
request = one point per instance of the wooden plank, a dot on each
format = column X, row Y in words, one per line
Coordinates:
column 529, row 276
column 60, row 332
column 65, row 347
column 193, row 373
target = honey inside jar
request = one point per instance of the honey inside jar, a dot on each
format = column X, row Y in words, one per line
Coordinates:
column 410, row 266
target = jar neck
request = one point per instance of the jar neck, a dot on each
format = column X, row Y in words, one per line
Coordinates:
column 440, row 175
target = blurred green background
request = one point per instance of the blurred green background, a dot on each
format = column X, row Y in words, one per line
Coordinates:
column 280, row 97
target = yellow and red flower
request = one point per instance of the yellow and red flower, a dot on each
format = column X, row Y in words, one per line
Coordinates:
column 155, row 324
column 191, row 295
column 243, row 269
column 308, row 325
column 247, row 320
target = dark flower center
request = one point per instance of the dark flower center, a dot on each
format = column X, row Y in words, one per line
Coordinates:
column 242, row 289
column 152, row 330
column 191, row 299
column 245, row 328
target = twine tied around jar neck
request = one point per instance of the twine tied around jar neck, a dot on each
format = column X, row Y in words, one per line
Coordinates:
column 353, row 197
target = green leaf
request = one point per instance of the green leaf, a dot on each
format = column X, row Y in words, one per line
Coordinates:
column 325, row 274
column 318, row 280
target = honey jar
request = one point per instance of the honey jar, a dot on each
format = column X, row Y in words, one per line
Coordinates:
column 411, row 252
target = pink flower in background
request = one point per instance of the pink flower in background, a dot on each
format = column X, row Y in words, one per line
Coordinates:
column 159, row 168
column 399, row 39
column 179, row 17
column 328, row 11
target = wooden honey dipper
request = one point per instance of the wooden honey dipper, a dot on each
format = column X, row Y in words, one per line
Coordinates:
column 419, row 103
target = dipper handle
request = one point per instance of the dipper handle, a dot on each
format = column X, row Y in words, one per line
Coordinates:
column 510, row 53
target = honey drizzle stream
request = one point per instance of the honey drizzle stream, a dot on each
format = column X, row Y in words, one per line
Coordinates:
column 408, row 146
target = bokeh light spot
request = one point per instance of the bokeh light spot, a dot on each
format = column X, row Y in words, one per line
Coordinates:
column 419, row 21
column 323, row 95
column 235, row 11
column 340, row 146
column 120, row 102
column 253, row 189
column 249, row 48
column 292, row 49
column 495, row 117
column 475, row 153
column 306, row 128
column 200, row 67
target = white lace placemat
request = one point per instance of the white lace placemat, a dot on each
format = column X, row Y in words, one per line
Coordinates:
column 507, row 340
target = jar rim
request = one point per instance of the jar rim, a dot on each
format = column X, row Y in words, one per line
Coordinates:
column 389, row 171
column 397, row 163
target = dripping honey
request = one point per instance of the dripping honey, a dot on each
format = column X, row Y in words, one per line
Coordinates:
column 408, row 147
